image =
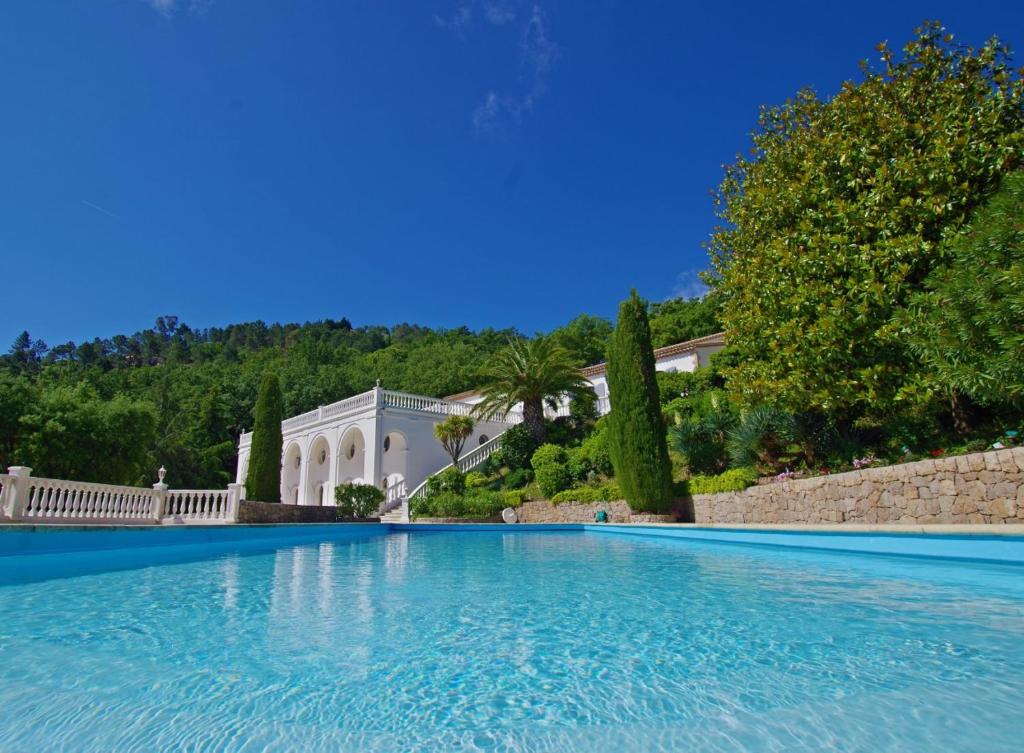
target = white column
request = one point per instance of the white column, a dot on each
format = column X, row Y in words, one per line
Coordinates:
column 160, row 498
column 15, row 495
column 234, row 500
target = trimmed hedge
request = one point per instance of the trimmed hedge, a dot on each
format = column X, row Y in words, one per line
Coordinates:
column 734, row 480
column 609, row 492
column 475, row 503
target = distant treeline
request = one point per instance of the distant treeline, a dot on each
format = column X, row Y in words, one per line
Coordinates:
column 116, row 409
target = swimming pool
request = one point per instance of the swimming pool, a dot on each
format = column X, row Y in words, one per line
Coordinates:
column 506, row 641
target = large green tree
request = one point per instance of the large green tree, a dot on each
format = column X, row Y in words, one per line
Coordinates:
column 968, row 325
column 636, row 428
column 838, row 215
column 536, row 373
column 263, row 482
column 680, row 319
column 71, row 432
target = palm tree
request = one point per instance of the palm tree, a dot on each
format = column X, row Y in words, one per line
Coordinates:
column 535, row 373
column 452, row 433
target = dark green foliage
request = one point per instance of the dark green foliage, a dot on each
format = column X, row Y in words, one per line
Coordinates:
column 682, row 319
column 358, row 500
column 701, row 437
column 636, row 429
column 517, row 448
column 968, row 325
column 263, row 482
column 70, row 432
column 448, row 481
column 585, row 337
column 518, row 478
column 475, row 503
column 761, row 438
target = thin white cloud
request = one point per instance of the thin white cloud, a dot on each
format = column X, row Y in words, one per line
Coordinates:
column 98, row 208
column 689, row 284
column 168, row 8
column 538, row 53
column 499, row 13
column 462, row 16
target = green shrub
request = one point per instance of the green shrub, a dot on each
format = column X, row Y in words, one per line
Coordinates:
column 475, row 480
column 450, row 480
column 548, row 454
column 357, row 500
column 595, row 450
column 553, row 478
column 579, row 465
column 478, row 503
column 518, row 478
column 514, row 497
column 609, row 492
column 516, row 448
column 733, row 480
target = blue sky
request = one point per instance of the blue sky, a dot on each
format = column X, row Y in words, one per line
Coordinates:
column 490, row 163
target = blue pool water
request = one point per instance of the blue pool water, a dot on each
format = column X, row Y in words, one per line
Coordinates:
column 491, row 641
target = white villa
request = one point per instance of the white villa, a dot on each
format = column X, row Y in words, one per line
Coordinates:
column 386, row 438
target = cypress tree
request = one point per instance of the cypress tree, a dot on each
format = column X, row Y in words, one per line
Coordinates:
column 636, row 429
column 263, row 481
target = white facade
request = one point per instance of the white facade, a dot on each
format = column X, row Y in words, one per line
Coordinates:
column 380, row 437
column 386, row 438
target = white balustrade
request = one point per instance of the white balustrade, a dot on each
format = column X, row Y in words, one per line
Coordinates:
column 59, row 500
column 29, row 499
column 196, row 505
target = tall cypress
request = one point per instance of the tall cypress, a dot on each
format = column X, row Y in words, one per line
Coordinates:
column 263, row 481
column 636, row 429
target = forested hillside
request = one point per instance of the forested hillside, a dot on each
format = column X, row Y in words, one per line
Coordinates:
column 115, row 409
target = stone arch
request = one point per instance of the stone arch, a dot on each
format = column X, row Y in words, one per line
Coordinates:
column 291, row 474
column 352, row 456
column 318, row 472
column 394, row 457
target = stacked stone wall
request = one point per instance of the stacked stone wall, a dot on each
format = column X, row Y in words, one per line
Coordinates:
column 985, row 487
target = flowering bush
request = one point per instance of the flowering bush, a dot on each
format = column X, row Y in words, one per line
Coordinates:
column 864, row 462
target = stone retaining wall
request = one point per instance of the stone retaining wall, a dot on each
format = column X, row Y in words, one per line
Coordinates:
column 985, row 487
column 271, row 512
column 541, row 511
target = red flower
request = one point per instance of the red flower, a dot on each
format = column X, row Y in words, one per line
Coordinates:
column 939, row 452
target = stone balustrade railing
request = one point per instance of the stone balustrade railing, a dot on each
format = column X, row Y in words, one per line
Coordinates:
column 209, row 505
column 394, row 496
column 29, row 499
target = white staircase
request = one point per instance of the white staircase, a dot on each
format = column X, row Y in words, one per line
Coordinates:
column 399, row 511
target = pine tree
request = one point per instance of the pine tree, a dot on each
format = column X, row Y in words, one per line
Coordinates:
column 636, row 429
column 263, row 481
